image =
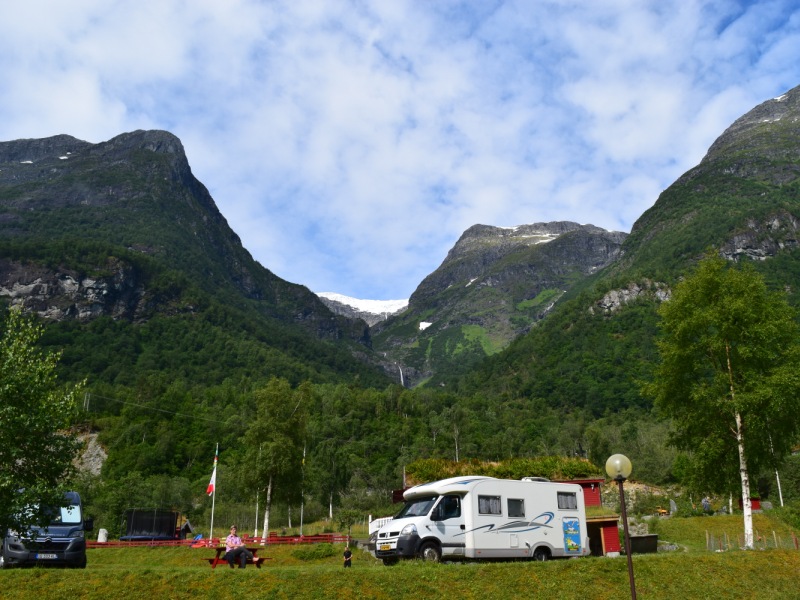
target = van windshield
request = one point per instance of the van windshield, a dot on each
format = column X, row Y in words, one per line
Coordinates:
column 65, row 515
column 417, row 507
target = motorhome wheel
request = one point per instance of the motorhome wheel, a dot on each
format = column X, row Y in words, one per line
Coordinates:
column 430, row 552
column 541, row 554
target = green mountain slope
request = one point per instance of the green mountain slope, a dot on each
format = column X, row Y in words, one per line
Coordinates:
column 743, row 199
column 125, row 251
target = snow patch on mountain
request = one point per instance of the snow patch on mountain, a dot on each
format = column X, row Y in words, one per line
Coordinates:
column 375, row 307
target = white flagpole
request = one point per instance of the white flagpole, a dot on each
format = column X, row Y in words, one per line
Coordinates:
column 302, row 491
column 213, row 501
column 255, row 531
column 214, row 494
column 258, row 463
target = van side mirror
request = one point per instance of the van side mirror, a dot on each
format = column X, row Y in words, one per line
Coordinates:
column 436, row 515
column 88, row 524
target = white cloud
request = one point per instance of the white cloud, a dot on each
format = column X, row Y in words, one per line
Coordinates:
column 349, row 144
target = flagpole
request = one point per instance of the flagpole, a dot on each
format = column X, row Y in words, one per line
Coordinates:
column 255, row 530
column 258, row 463
column 302, row 490
column 213, row 486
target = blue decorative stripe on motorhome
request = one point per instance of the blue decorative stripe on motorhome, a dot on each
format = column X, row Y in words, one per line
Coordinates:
column 517, row 526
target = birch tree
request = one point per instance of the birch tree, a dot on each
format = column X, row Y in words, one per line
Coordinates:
column 275, row 441
column 729, row 375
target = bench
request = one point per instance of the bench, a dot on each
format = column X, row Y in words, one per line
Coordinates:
column 219, row 560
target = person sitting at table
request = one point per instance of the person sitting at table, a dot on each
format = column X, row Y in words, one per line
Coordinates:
column 234, row 548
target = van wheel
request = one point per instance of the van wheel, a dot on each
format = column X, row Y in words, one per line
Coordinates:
column 541, row 554
column 430, row 552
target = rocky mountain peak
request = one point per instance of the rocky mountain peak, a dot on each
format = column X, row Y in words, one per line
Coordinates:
column 35, row 150
column 480, row 237
column 770, row 129
column 482, row 246
column 113, row 204
column 494, row 284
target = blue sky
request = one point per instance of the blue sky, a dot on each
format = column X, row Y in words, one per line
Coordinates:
column 349, row 144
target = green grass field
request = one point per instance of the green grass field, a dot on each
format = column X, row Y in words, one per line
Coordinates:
column 689, row 573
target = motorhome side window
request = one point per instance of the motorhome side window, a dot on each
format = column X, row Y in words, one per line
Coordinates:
column 516, row 508
column 567, row 500
column 489, row 505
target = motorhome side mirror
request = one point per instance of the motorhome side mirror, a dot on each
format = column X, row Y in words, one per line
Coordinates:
column 88, row 524
column 436, row 515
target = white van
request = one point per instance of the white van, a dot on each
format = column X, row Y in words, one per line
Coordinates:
column 484, row 518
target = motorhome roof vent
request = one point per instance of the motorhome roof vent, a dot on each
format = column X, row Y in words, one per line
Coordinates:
column 535, row 479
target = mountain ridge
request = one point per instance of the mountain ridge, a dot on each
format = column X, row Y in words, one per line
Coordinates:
column 123, row 230
column 741, row 201
column 494, row 284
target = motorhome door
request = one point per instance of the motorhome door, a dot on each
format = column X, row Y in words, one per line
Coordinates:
column 448, row 519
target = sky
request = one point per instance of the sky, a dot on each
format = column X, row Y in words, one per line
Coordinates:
column 350, row 143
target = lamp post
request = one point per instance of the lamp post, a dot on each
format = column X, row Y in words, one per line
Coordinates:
column 619, row 469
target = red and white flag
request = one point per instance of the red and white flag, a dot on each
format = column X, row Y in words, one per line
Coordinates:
column 212, row 485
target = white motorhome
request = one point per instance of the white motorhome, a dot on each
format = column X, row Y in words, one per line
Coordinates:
column 483, row 518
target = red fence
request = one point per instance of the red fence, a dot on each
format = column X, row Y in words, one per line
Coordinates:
column 322, row 538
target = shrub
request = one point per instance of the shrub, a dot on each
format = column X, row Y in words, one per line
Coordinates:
column 789, row 514
column 315, row 552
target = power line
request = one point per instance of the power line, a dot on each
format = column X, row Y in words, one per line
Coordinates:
column 88, row 397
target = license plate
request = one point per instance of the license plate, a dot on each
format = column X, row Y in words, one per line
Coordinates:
column 46, row 556
column 386, row 547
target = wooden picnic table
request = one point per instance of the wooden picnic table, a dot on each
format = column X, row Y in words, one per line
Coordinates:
column 220, row 560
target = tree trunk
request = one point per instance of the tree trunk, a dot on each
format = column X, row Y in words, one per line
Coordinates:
column 455, row 439
column 265, row 531
column 747, row 507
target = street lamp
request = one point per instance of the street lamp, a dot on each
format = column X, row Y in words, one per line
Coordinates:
column 619, row 469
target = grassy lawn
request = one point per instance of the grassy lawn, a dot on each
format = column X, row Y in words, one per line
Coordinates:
column 689, row 573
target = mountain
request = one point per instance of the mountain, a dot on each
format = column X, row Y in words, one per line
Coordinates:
column 742, row 200
column 493, row 286
column 120, row 236
column 533, row 340
column 369, row 311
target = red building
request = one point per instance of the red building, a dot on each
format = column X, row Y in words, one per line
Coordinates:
column 591, row 490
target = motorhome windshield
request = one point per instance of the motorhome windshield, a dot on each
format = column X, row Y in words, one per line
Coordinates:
column 417, row 507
